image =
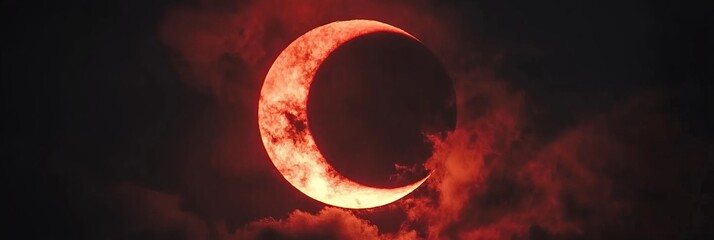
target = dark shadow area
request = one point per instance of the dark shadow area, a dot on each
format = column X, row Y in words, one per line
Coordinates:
column 370, row 103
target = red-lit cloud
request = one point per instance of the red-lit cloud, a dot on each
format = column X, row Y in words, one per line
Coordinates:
column 329, row 223
column 155, row 214
column 226, row 48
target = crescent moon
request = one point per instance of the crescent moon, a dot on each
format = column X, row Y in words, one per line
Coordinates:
column 284, row 128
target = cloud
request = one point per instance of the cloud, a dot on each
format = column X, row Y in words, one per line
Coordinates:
column 329, row 223
column 494, row 180
column 226, row 49
column 155, row 215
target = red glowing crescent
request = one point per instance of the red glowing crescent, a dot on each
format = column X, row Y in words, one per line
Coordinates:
column 282, row 117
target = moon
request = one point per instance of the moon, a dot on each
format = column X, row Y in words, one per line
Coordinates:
column 283, row 123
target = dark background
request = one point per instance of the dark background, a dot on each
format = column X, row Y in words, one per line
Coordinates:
column 88, row 85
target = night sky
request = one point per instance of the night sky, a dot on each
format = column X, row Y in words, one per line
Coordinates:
column 548, row 120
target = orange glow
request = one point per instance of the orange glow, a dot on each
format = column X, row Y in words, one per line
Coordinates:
column 282, row 116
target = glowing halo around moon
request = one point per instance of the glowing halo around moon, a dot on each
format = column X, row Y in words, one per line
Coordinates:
column 282, row 118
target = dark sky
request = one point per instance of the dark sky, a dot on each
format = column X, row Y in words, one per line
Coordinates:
column 573, row 120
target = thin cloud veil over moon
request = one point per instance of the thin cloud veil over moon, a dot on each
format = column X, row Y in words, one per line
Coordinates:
column 284, row 128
